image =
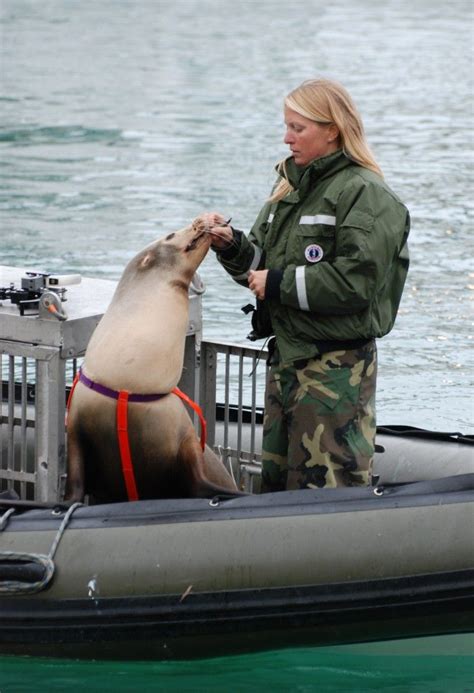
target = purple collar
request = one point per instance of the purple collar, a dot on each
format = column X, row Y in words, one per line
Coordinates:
column 114, row 394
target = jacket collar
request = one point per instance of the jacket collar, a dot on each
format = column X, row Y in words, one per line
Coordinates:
column 301, row 178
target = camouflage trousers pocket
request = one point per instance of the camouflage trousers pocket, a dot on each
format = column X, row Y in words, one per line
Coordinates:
column 332, row 381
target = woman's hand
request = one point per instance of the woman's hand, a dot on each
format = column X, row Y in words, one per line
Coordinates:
column 216, row 225
column 257, row 283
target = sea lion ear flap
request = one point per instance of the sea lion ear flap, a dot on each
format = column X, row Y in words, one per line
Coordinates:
column 146, row 261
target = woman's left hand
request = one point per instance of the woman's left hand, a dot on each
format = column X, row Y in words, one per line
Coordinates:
column 257, row 281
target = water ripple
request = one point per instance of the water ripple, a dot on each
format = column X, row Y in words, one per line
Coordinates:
column 69, row 134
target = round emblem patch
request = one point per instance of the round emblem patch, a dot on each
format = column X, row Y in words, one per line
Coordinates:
column 313, row 253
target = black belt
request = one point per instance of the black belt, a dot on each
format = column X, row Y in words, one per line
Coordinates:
column 323, row 346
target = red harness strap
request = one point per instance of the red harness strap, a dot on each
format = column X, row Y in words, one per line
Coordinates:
column 124, row 445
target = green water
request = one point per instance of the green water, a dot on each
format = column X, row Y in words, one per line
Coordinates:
column 400, row 667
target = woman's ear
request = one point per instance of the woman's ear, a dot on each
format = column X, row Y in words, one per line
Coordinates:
column 333, row 132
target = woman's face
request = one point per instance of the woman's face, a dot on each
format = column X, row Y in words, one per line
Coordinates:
column 307, row 139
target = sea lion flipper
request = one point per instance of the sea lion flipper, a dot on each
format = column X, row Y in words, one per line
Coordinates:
column 190, row 465
column 216, row 472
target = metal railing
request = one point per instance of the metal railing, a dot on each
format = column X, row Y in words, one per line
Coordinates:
column 231, row 388
column 32, row 409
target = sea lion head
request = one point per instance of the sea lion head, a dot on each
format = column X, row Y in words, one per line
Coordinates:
column 179, row 253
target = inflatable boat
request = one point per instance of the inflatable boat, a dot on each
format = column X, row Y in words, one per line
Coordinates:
column 205, row 577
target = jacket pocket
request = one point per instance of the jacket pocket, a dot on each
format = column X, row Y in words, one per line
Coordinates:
column 315, row 242
column 358, row 219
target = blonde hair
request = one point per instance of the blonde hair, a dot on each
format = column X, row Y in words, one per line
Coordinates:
column 325, row 101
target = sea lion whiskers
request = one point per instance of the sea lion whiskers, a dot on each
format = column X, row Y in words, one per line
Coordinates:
column 203, row 226
column 231, row 244
column 199, row 229
column 210, row 231
column 192, row 244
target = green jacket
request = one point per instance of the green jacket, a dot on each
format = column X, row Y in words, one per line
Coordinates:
column 336, row 248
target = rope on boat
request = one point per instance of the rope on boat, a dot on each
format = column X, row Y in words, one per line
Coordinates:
column 45, row 560
column 4, row 518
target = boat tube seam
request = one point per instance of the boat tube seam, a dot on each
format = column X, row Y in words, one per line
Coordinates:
column 141, row 513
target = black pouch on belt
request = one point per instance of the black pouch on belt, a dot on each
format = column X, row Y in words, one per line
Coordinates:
column 261, row 323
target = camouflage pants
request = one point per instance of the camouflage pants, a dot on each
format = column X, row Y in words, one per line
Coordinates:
column 319, row 425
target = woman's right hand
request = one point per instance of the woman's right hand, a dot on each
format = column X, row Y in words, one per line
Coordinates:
column 221, row 232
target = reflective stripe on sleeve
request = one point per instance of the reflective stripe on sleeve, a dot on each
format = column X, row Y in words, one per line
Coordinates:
column 319, row 219
column 257, row 254
column 301, row 287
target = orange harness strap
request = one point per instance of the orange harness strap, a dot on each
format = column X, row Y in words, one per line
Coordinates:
column 124, row 445
column 71, row 392
column 198, row 410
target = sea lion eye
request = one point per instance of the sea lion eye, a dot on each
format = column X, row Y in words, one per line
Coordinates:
column 169, row 236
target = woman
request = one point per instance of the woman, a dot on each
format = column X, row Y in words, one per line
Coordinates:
column 327, row 258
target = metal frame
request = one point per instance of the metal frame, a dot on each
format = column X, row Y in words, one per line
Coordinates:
column 37, row 460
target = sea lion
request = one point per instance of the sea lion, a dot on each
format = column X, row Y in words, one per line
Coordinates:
column 138, row 347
